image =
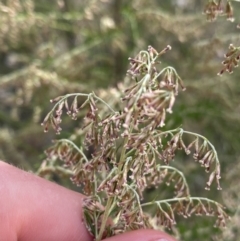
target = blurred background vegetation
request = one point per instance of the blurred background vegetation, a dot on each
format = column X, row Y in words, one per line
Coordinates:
column 51, row 48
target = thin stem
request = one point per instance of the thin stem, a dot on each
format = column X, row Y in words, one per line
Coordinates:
column 112, row 207
column 137, row 196
column 65, row 97
column 105, row 103
column 122, row 157
column 180, row 173
column 148, row 57
column 53, row 169
column 75, row 147
column 105, row 218
column 143, row 83
column 129, row 152
column 180, row 199
column 181, row 131
column 167, row 132
column 204, row 138
column 162, row 71
column 83, row 95
column 175, row 72
column 108, row 176
column 95, row 193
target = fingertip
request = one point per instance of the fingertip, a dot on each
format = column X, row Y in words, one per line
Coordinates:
column 142, row 235
column 38, row 209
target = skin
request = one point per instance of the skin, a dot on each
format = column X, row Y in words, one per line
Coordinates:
column 32, row 208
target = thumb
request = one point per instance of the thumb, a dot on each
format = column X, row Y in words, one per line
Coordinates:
column 142, row 235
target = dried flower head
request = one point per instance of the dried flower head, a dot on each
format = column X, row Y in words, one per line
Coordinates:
column 125, row 152
column 231, row 60
column 215, row 8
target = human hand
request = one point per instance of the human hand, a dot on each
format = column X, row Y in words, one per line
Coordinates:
column 34, row 209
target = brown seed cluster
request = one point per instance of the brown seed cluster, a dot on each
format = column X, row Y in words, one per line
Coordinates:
column 231, row 60
column 125, row 152
column 165, row 213
column 214, row 8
